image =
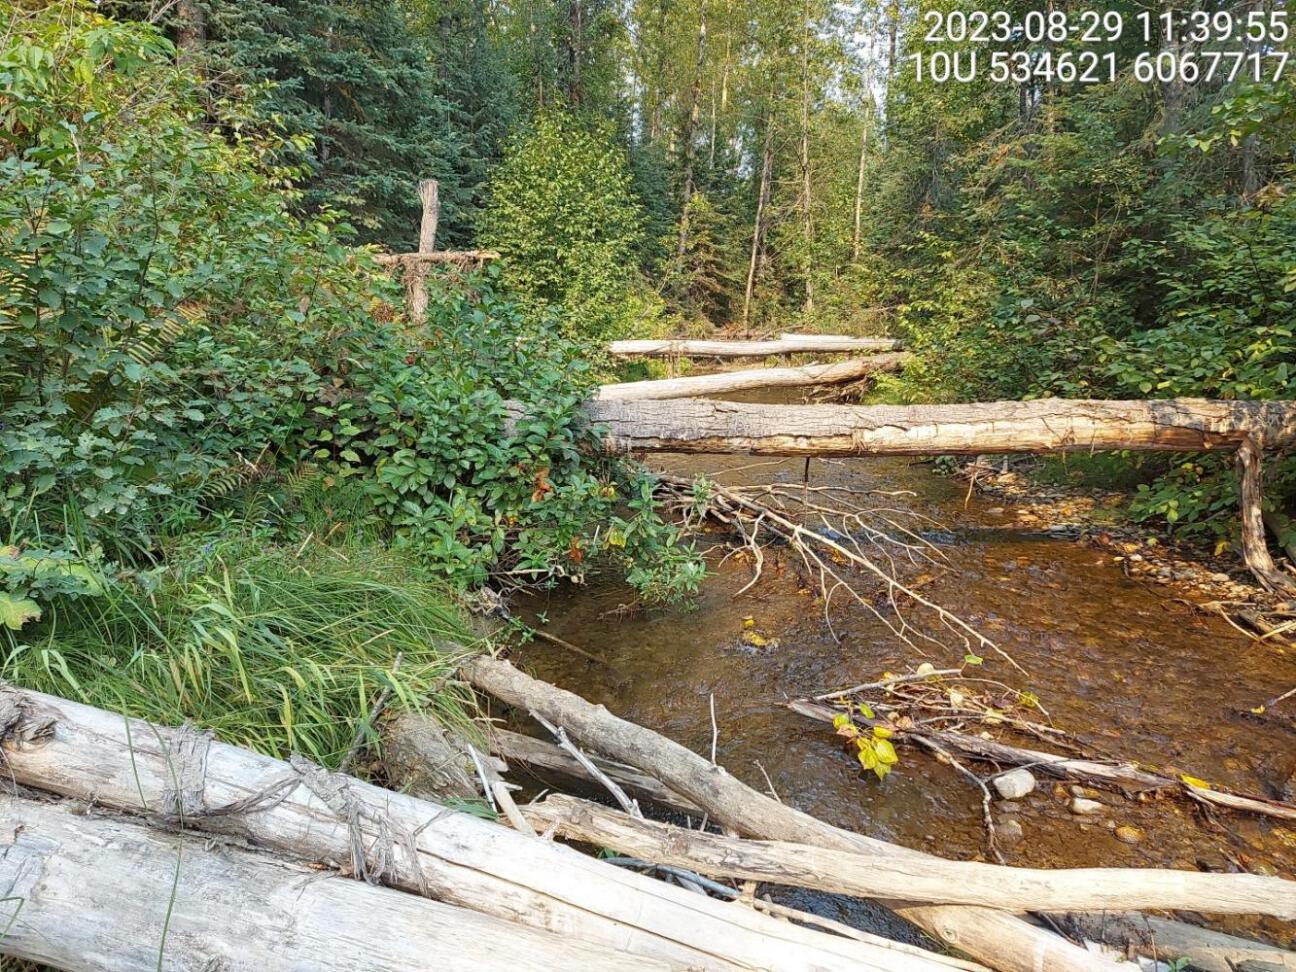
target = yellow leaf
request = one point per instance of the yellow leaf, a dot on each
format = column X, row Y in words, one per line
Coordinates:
column 1193, row 781
column 886, row 753
column 1259, row 710
column 868, row 759
column 882, row 732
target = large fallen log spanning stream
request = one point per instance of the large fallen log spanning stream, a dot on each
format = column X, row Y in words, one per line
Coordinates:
column 1044, row 425
column 302, row 812
column 723, row 382
column 697, row 425
column 90, row 892
column 996, row 938
column 785, row 344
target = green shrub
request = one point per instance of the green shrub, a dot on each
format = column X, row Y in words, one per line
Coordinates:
column 174, row 341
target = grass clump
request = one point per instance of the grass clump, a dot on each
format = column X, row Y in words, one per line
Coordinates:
column 273, row 649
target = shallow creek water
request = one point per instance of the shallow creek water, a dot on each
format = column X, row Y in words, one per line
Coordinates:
column 1126, row 668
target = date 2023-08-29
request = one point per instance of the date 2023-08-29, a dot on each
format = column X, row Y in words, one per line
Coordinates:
column 1092, row 46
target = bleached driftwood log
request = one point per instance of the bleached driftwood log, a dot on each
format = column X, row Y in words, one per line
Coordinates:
column 927, row 879
column 723, row 382
column 466, row 258
column 513, row 747
column 300, row 811
column 1044, row 425
column 785, row 344
column 93, row 893
column 1125, row 776
column 995, row 938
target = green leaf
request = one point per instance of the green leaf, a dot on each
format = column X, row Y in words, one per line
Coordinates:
column 17, row 611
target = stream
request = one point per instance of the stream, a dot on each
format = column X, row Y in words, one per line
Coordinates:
column 1126, row 668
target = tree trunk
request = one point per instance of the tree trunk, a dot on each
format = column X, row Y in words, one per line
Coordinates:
column 859, row 191
column 90, row 892
column 690, row 129
column 305, row 813
column 191, row 29
column 758, row 224
column 1043, row 425
column 1255, row 549
column 785, row 344
column 1163, row 938
column 807, row 227
column 931, row 879
column 723, row 382
column 1000, row 940
column 416, row 275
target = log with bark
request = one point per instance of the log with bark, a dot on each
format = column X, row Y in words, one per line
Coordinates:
column 1125, row 776
column 1164, row 940
column 1044, row 425
column 920, row 879
column 996, row 938
column 785, row 344
column 305, row 813
column 723, row 382
column 89, row 892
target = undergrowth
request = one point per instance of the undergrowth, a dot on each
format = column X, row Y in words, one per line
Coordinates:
column 273, row 648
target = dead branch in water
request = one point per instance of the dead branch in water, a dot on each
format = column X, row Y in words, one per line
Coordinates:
column 829, row 533
column 1098, row 772
column 1001, row 940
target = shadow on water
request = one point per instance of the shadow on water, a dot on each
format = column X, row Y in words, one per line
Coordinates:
column 1127, row 669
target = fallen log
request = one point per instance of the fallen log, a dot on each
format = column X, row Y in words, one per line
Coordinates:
column 513, row 747
column 1044, row 425
column 723, row 382
column 785, row 344
column 93, row 893
column 1125, row 776
column 928, row 879
column 1166, row 940
column 995, row 938
column 303, row 812
column 456, row 257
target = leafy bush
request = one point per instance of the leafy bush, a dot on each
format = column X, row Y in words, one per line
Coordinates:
column 174, row 339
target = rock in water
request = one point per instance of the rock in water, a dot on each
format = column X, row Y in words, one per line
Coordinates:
column 1009, row 832
column 1129, row 834
column 1085, row 807
column 1014, row 784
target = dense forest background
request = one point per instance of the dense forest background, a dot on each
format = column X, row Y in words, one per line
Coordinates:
column 657, row 166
